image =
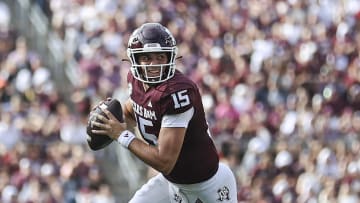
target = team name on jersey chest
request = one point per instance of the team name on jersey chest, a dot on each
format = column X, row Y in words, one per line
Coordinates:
column 144, row 112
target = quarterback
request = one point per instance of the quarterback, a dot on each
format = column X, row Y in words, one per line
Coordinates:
column 166, row 108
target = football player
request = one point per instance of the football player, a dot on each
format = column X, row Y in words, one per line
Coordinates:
column 166, row 108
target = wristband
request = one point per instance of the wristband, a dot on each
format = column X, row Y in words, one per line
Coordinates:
column 125, row 138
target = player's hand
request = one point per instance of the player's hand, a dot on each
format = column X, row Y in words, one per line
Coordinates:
column 108, row 125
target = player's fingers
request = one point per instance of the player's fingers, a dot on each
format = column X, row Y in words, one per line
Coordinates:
column 100, row 125
column 101, row 117
column 92, row 115
column 100, row 132
column 109, row 114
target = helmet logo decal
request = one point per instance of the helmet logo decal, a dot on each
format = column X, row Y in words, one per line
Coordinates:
column 152, row 45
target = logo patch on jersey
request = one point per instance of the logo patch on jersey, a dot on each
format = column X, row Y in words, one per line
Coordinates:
column 144, row 112
column 178, row 198
column 149, row 104
column 223, row 194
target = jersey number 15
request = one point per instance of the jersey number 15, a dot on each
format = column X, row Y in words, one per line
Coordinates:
column 180, row 99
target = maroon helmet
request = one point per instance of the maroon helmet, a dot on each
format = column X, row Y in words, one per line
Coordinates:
column 150, row 38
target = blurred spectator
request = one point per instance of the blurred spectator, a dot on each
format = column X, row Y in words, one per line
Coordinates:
column 270, row 72
column 40, row 161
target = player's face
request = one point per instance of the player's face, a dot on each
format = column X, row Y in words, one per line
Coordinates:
column 150, row 62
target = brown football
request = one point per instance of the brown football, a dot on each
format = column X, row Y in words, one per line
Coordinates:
column 95, row 141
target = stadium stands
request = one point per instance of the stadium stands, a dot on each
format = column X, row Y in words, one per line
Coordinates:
column 280, row 83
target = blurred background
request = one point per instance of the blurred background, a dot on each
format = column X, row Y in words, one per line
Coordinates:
column 280, row 83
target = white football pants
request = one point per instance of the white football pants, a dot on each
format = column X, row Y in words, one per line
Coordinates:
column 221, row 188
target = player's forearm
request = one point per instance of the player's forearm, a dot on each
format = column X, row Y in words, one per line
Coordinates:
column 129, row 116
column 151, row 156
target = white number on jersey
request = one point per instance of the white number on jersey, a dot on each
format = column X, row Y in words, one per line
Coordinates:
column 181, row 99
column 142, row 123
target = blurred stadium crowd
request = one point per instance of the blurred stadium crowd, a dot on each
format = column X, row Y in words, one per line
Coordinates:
column 280, row 81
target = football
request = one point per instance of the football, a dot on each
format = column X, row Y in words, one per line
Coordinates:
column 95, row 141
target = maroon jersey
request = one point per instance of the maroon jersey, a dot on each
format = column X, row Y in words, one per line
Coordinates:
column 198, row 159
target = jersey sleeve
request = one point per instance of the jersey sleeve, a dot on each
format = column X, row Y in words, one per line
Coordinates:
column 180, row 120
